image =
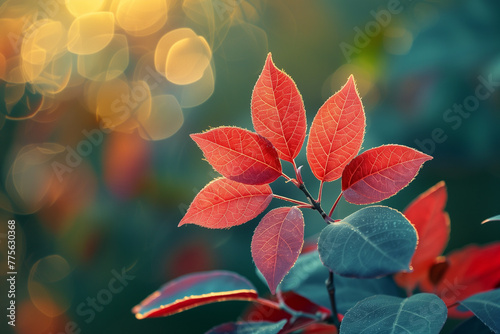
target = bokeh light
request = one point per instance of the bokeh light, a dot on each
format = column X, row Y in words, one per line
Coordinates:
column 49, row 286
column 141, row 17
column 106, row 49
column 31, row 179
column 108, row 63
column 81, row 7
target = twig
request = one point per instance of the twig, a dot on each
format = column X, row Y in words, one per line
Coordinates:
column 291, row 200
column 335, row 204
column 316, row 205
column 320, row 192
column 330, row 287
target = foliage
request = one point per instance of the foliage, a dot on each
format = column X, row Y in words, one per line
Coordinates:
column 363, row 257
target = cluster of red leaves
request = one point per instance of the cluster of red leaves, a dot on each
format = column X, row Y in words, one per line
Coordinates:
column 456, row 276
column 249, row 161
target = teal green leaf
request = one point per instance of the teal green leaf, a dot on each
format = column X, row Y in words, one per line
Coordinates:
column 307, row 278
column 372, row 242
column 486, row 306
column 492, row 219
column 422, row 313
column 261, row 327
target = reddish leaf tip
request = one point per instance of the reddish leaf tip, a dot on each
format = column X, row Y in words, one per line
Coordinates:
column 427, row 157
column 269, row 57
column 351, row 81
column 194, row 136
column 440, row 184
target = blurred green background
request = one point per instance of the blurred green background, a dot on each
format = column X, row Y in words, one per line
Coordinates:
column 118, row 208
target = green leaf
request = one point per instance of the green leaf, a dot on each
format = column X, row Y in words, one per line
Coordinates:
column 486, row 306
column 421, row 313
column 492, row 219
column 372, row 242
column 262, row 327
column 307, row 278
column 306, row 274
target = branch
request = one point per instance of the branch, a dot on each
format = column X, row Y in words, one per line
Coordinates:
column 316, row 205
column 330, row 287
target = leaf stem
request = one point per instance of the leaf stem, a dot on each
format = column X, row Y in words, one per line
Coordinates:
column 268, row 303
column 307, row 206
column 304, row 204
column 316, row 205
column 335, row 204
column 298, row 176
column 320, row 191
column 295, row 314
column 287, row 178
column 330, row 287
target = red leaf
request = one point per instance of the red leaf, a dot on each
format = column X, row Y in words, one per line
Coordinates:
column 471, row 270
column 195, row 290
column 277, row 242
column 260, row 312
column 336, row 133
column 432, row 223
column 224, row 203
column 380, row 172
column 438, row 269
column 278, row 111
column 240, row 155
